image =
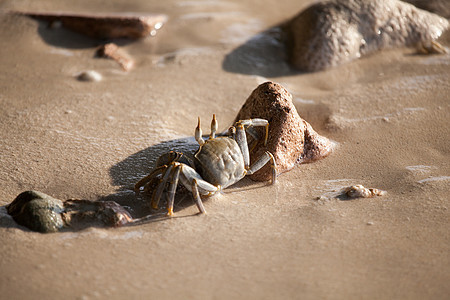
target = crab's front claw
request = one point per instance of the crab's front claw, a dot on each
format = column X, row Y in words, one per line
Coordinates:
column 168, row 158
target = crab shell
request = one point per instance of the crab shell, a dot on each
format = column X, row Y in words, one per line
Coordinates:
column 220, row 162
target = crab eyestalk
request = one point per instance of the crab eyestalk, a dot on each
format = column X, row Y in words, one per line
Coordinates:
column 214, row 126
column 198, row 134
column 232, row 132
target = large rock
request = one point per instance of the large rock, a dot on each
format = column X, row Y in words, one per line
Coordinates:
column 291, row 139
column 334, row 32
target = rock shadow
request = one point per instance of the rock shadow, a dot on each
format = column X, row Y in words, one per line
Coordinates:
column 64, row 38
column 265, row 54
column 61, row 37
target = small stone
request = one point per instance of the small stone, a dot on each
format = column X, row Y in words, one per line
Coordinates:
column 291, row 139
column 331, row 33
column 37, row 211
column 89, row 76
column 359, row 191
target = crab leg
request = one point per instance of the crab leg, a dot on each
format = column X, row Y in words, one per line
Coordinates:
column 198, row 200
column 255, row 138
column 148, row 178
column 193, row 181
column 241, row 140
column 261, row 162
column 204, row 187
column 162, row 184
column 256, row 123
column 151, row 184
column 241, row 137
column 172, row 189
column 168, row 158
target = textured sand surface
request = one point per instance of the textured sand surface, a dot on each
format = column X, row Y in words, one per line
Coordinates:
column 389, row 114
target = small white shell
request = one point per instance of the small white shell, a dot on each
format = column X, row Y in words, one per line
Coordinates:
column 358, row 191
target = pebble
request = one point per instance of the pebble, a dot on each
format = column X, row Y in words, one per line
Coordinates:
column 90, row 76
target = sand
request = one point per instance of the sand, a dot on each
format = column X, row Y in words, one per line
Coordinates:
column 389, row 114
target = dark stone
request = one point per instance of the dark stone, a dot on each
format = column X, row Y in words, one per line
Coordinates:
column 37, row 211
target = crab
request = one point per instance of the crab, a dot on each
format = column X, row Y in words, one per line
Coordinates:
column 219, row 162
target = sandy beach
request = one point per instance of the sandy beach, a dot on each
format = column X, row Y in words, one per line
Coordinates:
column 388, row 114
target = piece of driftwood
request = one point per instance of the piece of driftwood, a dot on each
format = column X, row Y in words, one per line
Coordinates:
column 115, row 53
column 105, row 25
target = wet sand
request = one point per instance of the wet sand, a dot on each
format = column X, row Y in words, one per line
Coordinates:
column 389, row 114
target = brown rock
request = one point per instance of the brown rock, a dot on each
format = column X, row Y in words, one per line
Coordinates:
column 84, row 213
column 291, row 139
column 105, row 26
column 113, row 52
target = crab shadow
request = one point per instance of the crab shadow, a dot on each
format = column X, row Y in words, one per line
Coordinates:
column 127, row 172
column 265, row 54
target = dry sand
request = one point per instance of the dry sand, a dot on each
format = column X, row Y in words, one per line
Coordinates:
column 92, row 140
